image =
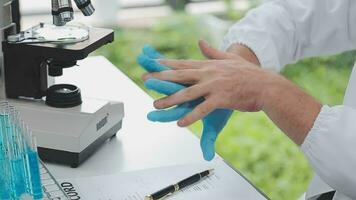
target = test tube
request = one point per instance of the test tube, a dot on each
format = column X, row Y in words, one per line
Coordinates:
column 4, row 192
column 36, row 185
column 3, row 151
column 25, row 144
column 17, row 159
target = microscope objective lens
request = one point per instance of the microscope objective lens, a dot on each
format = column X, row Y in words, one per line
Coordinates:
column 62, row 12
column 85, row 6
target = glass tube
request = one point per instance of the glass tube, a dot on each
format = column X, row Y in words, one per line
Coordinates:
column 36, row 187
column 4, row 192
column 17, row 158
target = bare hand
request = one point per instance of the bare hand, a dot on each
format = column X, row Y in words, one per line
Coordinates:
column 231, row 82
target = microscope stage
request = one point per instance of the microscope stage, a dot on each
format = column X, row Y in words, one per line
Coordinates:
column 70, row 135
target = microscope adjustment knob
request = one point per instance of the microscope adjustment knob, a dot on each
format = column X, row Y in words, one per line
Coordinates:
column 55, row 71
column 55, row 68
column 63, row 96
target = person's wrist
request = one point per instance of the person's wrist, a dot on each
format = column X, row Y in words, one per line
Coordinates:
column 245, row 52
column 270, row 90
column 293, row 110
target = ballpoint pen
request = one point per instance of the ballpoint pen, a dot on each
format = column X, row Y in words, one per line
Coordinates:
column 165, row 192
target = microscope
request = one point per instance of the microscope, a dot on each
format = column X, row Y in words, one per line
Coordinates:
column 69, row 128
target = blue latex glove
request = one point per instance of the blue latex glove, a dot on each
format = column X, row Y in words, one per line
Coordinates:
column 212, row 123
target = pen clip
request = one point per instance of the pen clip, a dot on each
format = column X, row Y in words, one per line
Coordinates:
column 167, row 195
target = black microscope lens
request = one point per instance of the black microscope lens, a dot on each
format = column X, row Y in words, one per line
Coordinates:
column 63, row 96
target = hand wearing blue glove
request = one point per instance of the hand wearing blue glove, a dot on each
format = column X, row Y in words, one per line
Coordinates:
column 212, row 123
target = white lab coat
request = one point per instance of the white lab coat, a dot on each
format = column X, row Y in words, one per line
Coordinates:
column 284, row 31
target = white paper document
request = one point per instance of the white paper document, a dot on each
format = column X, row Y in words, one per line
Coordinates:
column 224, row 184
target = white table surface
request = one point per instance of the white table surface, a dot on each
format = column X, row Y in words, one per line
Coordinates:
column 140, row 144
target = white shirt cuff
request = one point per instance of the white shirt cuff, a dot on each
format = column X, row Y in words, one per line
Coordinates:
column 261, row 45
column 320, row 125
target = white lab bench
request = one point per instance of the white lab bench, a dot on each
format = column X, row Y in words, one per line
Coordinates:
column 140, row 144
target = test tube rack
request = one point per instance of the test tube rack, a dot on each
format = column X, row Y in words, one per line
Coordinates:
column 22, row 175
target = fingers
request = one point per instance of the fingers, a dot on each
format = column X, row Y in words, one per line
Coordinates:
column 189, row 94
column 170, row 115
column 187, row 64
column 212, row 53
column 188, row 76
column 151, row 52
column 198, row 113
column 163, row 87
column 207, row 143
column 149, row 64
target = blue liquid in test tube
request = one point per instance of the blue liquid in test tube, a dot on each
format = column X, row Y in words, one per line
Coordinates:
column 18, row 162
column 36, row 187
column 4, row 191
column 19, row 184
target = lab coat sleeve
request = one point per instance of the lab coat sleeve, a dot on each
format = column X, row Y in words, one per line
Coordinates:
column 281, row 32
column 330, row 148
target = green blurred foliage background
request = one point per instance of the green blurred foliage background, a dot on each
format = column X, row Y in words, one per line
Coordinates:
column 250, row 142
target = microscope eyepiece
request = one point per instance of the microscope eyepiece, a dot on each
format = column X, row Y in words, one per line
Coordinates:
column 85, row 6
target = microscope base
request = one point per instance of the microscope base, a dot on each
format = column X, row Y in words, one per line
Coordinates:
column 74, row 159
column 71, row 135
